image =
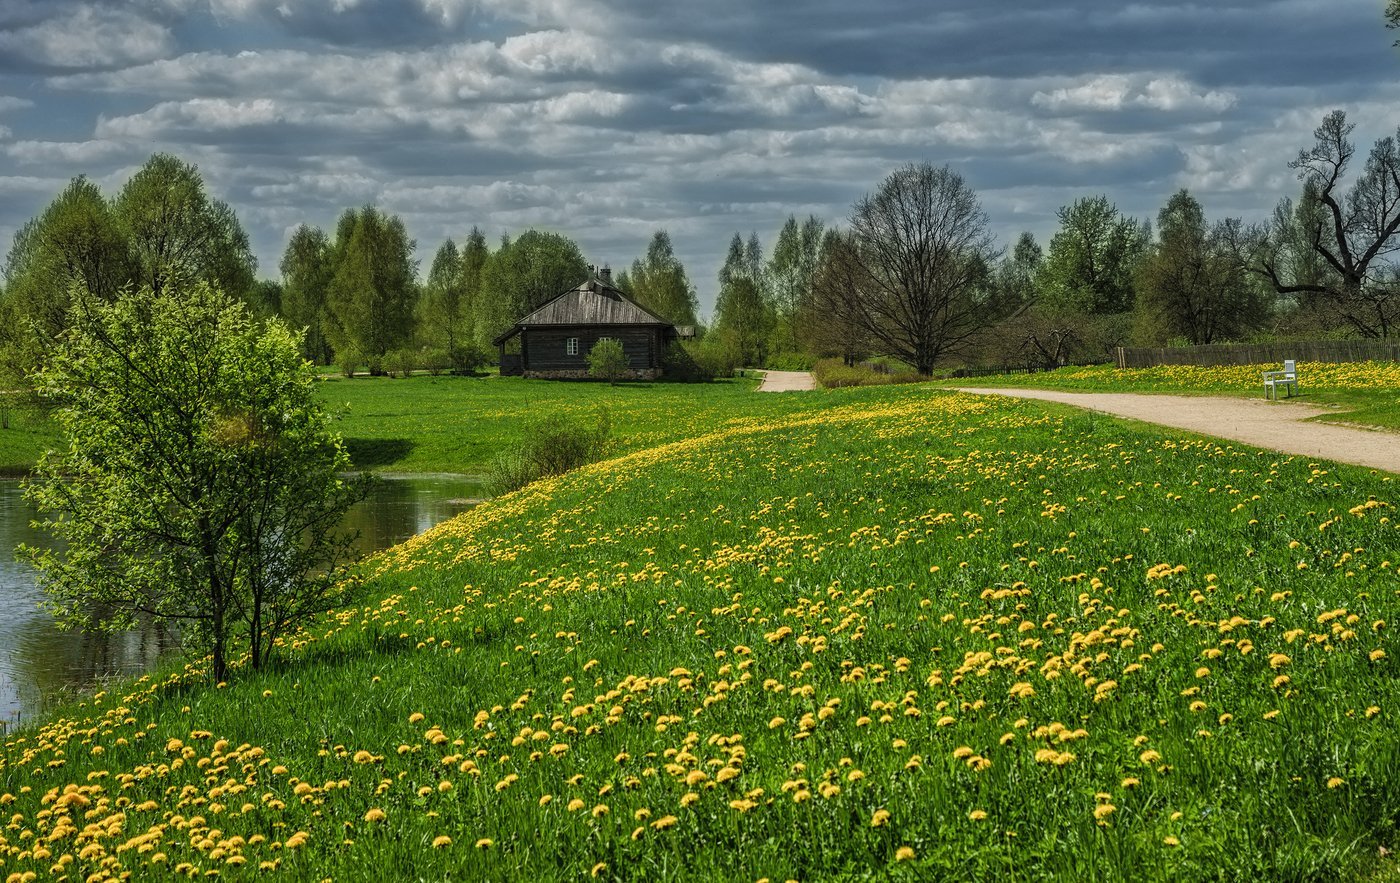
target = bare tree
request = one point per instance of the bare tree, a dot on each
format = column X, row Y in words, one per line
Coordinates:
column 1333, row 246
column 922, row 254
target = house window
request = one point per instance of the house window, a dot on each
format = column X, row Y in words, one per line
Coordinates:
column 571, row 346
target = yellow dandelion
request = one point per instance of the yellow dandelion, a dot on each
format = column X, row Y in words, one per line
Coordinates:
column 904, row 854
column 375, row 815
column 441, row 841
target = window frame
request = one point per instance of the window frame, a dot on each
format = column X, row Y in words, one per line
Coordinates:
column 571, row 346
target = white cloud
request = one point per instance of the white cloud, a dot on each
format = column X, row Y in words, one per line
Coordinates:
column 89, row 37
column 1115, row 92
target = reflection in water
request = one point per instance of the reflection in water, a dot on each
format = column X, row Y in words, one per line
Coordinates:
column 38, row 662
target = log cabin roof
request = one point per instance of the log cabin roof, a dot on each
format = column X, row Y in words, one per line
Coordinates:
column 595, row 302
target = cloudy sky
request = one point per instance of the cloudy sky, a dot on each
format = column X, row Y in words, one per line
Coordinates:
column 607, row 119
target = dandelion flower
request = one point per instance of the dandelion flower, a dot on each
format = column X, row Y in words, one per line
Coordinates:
column 441, row 841
column 904, row 854
column 375, row 815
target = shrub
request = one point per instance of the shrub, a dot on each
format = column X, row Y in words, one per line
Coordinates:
column 790, row 362
column 466, row 358
column 551, row 446
column 400, row 362
column 607, row 360
column 678, row 363
column 833, row 373
column 349, row 359
column 434, row 360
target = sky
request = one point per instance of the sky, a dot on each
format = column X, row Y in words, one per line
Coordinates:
column 606, row 120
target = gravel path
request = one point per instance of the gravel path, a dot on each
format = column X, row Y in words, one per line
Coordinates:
column 1278, row 426
column 787, row 381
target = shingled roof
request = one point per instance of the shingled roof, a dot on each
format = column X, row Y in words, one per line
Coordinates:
column 595, row 302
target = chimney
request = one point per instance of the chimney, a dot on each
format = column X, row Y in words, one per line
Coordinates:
column 605, row 275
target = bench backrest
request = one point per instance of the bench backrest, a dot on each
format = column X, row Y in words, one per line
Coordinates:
column 1290, row 367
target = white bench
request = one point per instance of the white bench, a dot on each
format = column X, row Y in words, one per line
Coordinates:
column 1287, row 377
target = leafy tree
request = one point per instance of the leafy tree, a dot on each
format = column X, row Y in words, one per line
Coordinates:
column 175, row 230
column 1093, row 258
column 743, row 315
column 371, row 296
column 306, row 275
column 659, row 282
column 200, row 482
column 1190, row 284
column 1392, row 15
column 791, row 271
column 919, row 258
column 607, row 360
column 444, row 311
column 76, row 241
column 1336, row 249
column 522, row 274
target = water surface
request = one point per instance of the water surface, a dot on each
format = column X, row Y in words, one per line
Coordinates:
column 39, row 662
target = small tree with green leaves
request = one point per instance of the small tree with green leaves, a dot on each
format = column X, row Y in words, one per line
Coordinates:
column 607, row 361
column 199, row 481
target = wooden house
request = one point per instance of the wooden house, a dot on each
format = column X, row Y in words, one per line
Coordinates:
column 554, row 340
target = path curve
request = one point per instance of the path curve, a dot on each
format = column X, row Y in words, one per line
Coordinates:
column 787, row 381
column 1278, row 426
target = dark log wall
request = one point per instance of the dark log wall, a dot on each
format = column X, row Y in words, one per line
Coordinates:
column 545, row 348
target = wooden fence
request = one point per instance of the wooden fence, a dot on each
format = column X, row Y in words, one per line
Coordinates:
column 1260, row 353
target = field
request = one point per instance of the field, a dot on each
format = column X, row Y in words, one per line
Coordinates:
column 892, row 633
column 458, row 424
column 1366, row 393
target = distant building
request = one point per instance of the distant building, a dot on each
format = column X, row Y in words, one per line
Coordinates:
column 555, row 339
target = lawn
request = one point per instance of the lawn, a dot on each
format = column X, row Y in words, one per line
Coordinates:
column 459, row 424
column 1366, row 393
column 879, row 633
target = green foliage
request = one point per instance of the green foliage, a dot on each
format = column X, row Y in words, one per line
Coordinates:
column 401, row 362
column 445, row 309
column 743, row 312
column 679, row 362
column 1093, row 258
column 371, row 296
column 522, row 274
column 790, row 361
column 835, row 374
column 76, row 241
column 792, row 269
column 659, row 283
column 350, row 360
column 551, row 446
column 306, row 275
column 607, row 360
column 177, row 233
column 1190, row 283
column 199, row 482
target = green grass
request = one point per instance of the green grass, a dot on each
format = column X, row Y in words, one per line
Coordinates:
column 890, row 634
column 458, row 424
column 1366, row 393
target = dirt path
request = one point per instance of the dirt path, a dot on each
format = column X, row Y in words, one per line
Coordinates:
column 1278, row 426
column 787, row 381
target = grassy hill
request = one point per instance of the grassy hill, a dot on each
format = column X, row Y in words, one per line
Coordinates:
column 891, row 633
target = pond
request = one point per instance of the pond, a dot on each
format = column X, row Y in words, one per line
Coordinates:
column 39, row 662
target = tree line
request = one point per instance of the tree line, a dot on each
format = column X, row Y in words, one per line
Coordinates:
column 914, row 274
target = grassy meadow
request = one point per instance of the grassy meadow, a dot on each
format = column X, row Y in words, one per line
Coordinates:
column 1365, row 393
column 888, row 633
